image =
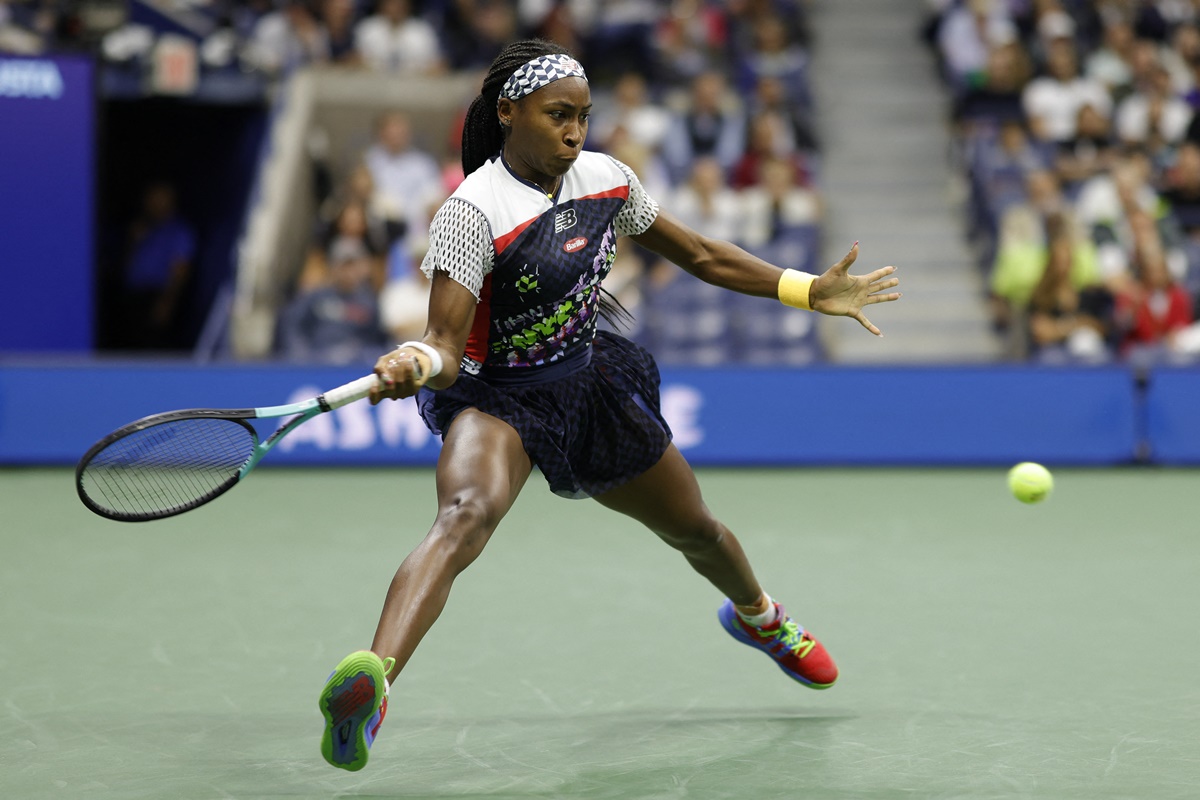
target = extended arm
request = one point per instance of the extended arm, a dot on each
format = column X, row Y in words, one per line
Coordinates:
column 836, row 292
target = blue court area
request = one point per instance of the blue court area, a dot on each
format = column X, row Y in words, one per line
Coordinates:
column 987, row 649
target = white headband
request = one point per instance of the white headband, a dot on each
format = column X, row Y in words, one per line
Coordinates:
column 540, row 72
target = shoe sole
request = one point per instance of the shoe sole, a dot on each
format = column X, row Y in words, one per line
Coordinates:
column 344, row 743
column 733, row 629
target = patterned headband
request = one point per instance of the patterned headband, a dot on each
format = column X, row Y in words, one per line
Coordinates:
column 540, row 72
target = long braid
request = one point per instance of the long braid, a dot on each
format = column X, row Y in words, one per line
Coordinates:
column 482, row 136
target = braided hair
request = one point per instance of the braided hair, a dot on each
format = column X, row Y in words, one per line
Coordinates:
column 482, row 135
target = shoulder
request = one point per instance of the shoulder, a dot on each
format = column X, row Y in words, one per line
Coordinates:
column 592, row 166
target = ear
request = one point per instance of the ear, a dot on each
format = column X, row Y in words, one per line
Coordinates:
column 504, row 110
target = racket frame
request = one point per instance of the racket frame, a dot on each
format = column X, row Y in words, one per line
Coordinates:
column 302, row 411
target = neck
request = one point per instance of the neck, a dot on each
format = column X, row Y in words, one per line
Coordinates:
column 547, row 183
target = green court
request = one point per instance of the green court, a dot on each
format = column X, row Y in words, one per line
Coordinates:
column 987, row 649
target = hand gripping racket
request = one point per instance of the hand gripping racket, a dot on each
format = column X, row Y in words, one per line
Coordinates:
column 166, row 464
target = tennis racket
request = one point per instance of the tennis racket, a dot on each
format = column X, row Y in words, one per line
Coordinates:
column 169, row 463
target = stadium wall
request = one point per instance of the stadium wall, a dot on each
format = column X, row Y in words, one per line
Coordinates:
column 51, row 413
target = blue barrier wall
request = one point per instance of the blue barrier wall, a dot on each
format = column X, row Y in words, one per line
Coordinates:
column 50, row 414
column 1173, row 415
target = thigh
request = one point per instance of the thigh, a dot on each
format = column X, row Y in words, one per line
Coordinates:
column 665, row 498
column 482, row 462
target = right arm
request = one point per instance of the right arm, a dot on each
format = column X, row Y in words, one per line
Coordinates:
column 459, row 257
column 451, row 314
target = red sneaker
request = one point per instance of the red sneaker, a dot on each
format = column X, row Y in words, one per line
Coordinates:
column 794, row 649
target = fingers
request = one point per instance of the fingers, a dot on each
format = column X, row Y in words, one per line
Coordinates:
column 882, row 272
column 400, row 375
column 844, row 265
column 866, row 323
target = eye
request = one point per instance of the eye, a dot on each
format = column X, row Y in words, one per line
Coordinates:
column 585, row 116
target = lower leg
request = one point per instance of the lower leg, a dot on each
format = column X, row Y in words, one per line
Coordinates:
column 481, row 470
column 415, row 599
column 724, row 564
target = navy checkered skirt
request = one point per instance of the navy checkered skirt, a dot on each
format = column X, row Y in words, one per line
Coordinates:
column 588, row 431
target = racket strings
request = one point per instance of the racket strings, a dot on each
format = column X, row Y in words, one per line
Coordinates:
column 152, row 471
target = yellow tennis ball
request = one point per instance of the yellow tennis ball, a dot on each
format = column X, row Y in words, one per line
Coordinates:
column 1030, row 482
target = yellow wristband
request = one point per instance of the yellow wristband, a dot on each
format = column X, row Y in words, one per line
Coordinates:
column 793, row 288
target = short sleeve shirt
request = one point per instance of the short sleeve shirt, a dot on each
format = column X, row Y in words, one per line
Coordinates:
column 535, row 262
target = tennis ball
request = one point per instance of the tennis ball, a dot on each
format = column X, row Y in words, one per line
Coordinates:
column 1030, row 482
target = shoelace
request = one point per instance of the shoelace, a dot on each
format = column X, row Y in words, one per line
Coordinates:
column 793, row 638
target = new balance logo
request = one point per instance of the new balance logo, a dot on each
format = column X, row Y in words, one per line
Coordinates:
column 565, row 219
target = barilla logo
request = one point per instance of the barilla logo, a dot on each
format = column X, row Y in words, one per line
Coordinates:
column 574, row 244
column 30, row 78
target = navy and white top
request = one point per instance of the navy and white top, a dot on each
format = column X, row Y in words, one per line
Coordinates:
column 535, row 262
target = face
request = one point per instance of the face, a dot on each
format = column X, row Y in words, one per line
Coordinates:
column 395, row 133
column 548, row 128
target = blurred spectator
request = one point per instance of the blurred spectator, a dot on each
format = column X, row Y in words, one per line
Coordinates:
column 1052, row 101
column 1153, row 117
column 706, row 203
column 473, row 32
column 383, row 221
column 994, row 93
column 162, row 252
column 1105, row 204
column 1182, row 190
column 1022, row 252
column 967, row 33
column 338, row 17
column 776, row 206
column 688, row 40
column 710, row 125
column 1112, row 63
column 353, row 221
column 770, row 96
column 289, row 38
column 1067, row 322
column 630, row 109
column 1090, row 152
column 336, row 323
column 404, row 303
column 409, row 178
column 614, row 33
column 775, row 55
column 768, row 140
column 1154, row 308
column 394, row 39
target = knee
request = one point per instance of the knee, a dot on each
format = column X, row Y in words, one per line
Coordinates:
column 462, row 528
column 696, row 536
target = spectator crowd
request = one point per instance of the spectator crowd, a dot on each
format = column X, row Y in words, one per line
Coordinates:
column 1076, row 123
column 708, row 102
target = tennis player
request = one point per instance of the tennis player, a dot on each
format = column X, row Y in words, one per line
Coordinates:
column 513, row 373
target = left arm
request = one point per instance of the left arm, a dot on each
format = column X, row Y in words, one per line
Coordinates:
column 723, row 264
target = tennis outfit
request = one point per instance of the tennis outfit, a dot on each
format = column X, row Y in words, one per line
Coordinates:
column 585, row 403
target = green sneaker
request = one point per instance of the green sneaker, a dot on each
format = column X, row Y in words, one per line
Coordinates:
column 354, row 702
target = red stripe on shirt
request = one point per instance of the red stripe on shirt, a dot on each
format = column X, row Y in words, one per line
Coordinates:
column 477, row 339
column 504, row 241
column 621, row 192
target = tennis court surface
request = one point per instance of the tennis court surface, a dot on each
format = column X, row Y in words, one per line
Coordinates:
column 987, row 649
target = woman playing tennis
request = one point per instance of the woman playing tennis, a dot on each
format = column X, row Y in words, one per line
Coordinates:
column 513, row 373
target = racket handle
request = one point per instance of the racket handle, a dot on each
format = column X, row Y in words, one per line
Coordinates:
column 349, row 392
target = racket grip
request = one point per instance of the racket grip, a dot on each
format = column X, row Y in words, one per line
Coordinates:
column 349, row 392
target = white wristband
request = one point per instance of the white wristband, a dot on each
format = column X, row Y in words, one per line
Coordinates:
column 435, row 358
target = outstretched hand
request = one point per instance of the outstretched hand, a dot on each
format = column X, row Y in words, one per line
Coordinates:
column 838, row 293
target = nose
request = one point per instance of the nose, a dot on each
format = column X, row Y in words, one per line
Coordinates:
column 573, row 135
